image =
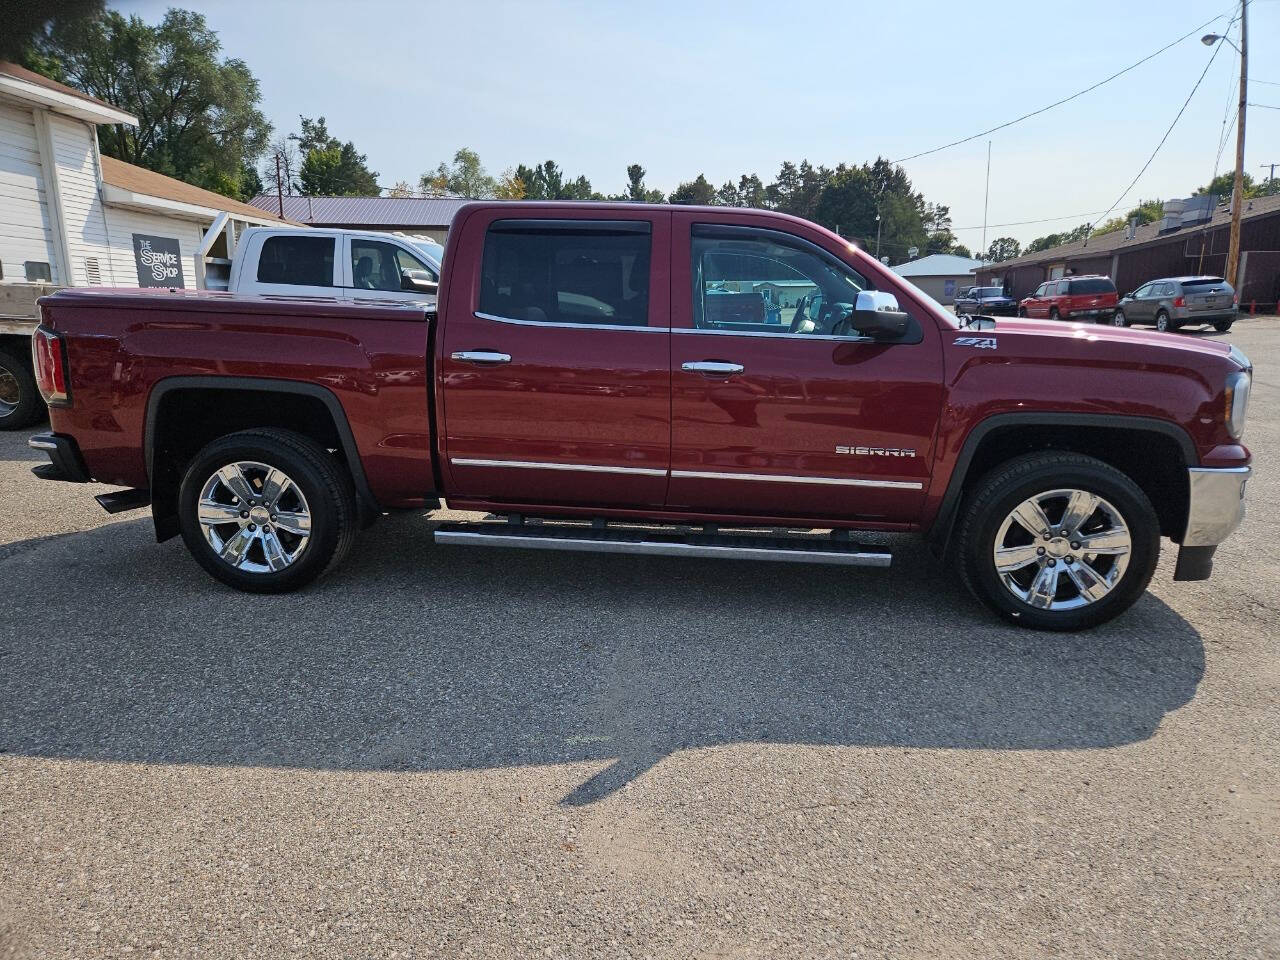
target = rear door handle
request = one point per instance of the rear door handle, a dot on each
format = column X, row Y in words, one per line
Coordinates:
column 718, row 367
column 481, row 356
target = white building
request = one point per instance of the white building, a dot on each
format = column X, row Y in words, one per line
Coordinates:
column 71, row 217
column 940, row 274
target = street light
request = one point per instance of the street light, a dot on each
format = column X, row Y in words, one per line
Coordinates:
column 1209, row 39
column 1237, row 187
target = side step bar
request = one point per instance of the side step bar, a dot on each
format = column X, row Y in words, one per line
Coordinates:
column 782, row 548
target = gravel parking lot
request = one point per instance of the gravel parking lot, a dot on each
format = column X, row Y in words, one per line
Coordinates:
column 441, row 752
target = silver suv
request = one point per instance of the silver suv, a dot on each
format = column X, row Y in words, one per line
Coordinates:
column 1178, row 302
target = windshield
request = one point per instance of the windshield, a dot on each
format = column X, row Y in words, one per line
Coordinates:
column 939, row 311
column 433, row 252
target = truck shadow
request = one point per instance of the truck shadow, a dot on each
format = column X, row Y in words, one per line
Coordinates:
column 417, row 657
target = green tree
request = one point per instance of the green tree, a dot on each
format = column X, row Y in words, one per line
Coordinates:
column 26, row 25
column 547, row 181
column 198, row 116
column 636, row 189
column 698, row 192
column 1147, row 211
column 1224, row 183
column 331, row 168
column 1052, row 240
column 465, row 178
column 1001, row 249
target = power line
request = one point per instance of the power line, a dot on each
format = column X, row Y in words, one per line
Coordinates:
column 1181, row 111
column 1033, row 113
column 1265, row 106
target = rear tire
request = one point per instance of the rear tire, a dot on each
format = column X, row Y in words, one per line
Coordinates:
column 1164, row 324
column 1222, row 326
column 988, row 523
column 20, row 401
column 1054, row 315
column 283, row 529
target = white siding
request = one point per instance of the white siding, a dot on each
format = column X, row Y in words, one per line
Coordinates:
column 123, row 224
column 85, row 225
column 24, row 213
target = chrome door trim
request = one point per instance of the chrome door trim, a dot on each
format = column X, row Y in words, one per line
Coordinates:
column 575, row 467
column 568, row 326
column 776, row 336
column 780, row 478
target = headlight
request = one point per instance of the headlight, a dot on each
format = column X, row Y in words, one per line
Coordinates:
column 1237, row 402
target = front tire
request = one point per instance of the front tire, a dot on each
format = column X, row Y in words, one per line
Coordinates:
column 20, row 403
column 1025, row 534
column 1022, row 312
column 267, row 511
column 1118, row 319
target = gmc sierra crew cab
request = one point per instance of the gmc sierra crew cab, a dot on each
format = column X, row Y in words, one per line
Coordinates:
column 582, row 384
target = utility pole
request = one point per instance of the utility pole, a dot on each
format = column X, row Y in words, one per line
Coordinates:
column 1237, row 192
column 877, row 236
column 1271, row 178
column 279, row 187
column 986, row 198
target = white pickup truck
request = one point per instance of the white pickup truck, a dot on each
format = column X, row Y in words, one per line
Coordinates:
column 289, row 262
column 346, row 264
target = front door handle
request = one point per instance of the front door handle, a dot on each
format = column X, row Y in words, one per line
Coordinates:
column 481, row 356
column 717, row 367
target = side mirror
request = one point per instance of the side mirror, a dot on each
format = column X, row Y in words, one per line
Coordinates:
column 876, row 315
column 418, row 281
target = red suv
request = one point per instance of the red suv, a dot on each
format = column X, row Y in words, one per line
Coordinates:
column 1073, row 298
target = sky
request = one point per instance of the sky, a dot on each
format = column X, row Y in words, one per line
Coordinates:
column 737, row 87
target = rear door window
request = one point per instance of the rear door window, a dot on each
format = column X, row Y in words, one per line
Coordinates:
column 299, row 261
column 567, row 272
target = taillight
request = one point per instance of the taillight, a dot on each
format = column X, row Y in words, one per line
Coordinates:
column 50, row 357
column 1180, row 301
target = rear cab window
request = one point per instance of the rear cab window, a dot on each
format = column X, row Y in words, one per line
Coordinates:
column 589, row 272
column 297, row 261
column 1092, row 285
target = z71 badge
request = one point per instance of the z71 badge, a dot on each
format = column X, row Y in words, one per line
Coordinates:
column 982, row 343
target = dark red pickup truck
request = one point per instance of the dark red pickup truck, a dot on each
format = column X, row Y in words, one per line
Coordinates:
column 583, row 381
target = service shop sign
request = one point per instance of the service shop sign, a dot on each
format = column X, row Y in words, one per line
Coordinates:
column 159, row 261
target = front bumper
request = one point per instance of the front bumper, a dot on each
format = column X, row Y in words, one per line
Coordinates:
column 1215, row 509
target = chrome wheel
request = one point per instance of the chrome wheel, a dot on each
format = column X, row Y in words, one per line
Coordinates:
column 254, row 517
column 1062, row 549
column 10, row 393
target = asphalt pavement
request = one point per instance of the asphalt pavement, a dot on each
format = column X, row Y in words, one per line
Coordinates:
column 444, row 752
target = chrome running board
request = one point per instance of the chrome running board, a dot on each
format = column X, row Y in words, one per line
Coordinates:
column 784, row 548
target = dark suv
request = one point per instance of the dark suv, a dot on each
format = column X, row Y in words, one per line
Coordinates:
column 1072, row 298
column 988, row 301
column 1179, row 302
